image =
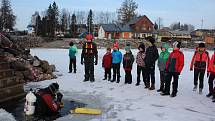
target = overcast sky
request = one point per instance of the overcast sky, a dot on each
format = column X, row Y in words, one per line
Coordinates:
column 185, row 11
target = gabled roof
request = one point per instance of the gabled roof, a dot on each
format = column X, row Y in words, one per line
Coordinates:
column 116, row 28
column 110, row 27
column 136, row 19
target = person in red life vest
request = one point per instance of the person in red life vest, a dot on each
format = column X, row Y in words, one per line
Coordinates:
column 211, row 77
column 89, row 57
column 128, row 60
column 174, row 66
column 200, row 61
column 48, row 100
column 106, row 64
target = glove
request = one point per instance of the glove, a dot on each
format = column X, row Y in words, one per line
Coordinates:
column 177, row 73
column 82, row 62
column 191, row 69
column 208, row 74
column 59, row 97
column 61, row 104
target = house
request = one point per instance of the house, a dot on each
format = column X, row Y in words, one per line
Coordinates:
column 142, row 27
column 207, row 35
column 166, row 35
column 138, row 27
column 114, row 31
column 31, row 30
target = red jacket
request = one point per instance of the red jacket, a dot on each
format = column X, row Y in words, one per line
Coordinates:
column 107, row 60
column 200, row 60
column 175, row 61
column 212, row 64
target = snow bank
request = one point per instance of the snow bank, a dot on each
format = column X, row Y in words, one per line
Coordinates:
column 5, row 116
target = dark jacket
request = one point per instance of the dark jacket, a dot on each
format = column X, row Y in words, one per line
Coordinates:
column 107, row 60
column 128, row 61
column 89, row 52
column 175, row 62
column 200, row 60
column 151, row 56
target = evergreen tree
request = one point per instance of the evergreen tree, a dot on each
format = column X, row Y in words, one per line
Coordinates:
column 90, row 22
column 156, row 26
column 8, row 19
column 73, row 26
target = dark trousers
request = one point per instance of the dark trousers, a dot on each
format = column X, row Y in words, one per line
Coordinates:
column 108, row 73
column 72, row 63
column 150, row 75
column 139, row 70
column 199, row 75
column 210, row 82
column 89, row 71
column 174, row 84
column 163, row 75
column 128, row 77
column 116, row 72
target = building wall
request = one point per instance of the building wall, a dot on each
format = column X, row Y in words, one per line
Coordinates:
column 143, row 25
column 101, row 33
column 209, row 40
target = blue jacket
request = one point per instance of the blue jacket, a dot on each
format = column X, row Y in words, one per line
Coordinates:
column 116, row 57
column 72, row 51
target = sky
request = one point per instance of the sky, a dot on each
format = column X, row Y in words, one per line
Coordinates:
column 170, row 11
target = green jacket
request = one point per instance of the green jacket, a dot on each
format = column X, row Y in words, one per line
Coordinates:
column 72, row 51
column 163, row 57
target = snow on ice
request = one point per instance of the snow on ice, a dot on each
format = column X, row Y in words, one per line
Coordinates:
column 120, row 102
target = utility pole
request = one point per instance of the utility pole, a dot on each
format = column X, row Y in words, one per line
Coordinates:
column 202, row 23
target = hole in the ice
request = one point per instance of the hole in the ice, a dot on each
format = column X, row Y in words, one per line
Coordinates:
column 17, row 110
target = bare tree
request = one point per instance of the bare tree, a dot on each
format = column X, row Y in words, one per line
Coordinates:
column 127, row 11
column 159, row 21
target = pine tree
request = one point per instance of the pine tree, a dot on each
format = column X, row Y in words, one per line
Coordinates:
column 8, row 19
column 73, row 26
column 127, row 11
column 90, row 22
column 156, row 26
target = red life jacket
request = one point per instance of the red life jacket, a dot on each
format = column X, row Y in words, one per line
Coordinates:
column 212, row 64
column 200, row 60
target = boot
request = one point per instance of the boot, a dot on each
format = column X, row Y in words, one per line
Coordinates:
column 164, row 94
column 195, row 88
column 109, row 79
column 152, row 87
column 114, row 79
column 118, row 80
column 173, row 95
column 75, row 71
column 137, row 84
column 213, row 101
column 200, row 91
column 161, row 89
column 104, row 79
column 147, row 85
column 209, row 94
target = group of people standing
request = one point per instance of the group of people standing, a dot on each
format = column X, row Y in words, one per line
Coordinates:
column 170, row 65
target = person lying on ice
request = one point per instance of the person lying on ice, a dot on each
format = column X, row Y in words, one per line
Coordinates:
column 89, row 53
column 48, row 100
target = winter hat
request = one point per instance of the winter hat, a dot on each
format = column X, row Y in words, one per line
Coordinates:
column 142, row 45
column 54, row 87
column 109, row 49
column 150, row 39
column 71, row 43
column 166, row 46
column 201, row 45
column 177, row 44
column 89, row 37
column 127, row 48
column 116, row 45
